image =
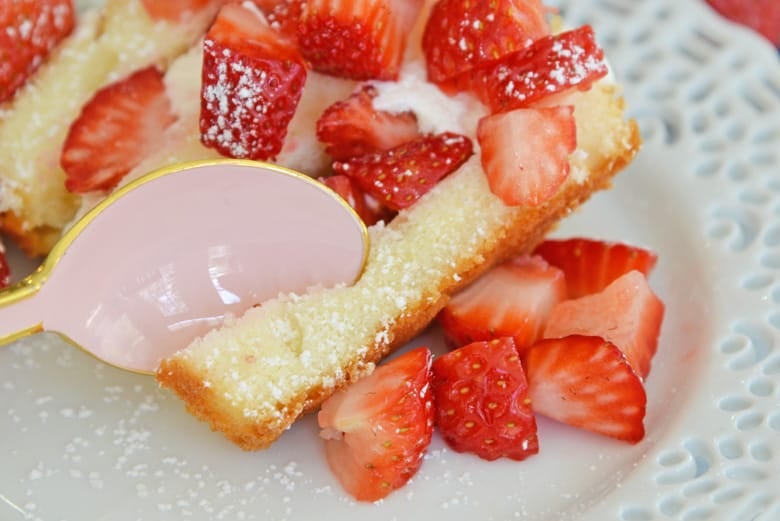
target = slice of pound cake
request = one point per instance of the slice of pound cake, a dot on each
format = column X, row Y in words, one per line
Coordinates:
column 482, row 131
column 105, row 45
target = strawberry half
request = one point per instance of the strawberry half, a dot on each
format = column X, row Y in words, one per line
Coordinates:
column 551, row 65
column 482, row 403
column 357, row 39
column 592, row 265
column 5, row 271
column 29, row 30
column 357, row 199
column 400, row 176
column 513, row 299
column 626, row 313
column 253, row 78
column 586, row 382
column 353, row 127
column 378, row 429
column 525, row 152
column 763, row 16
column 462, row 35
column 123, row 123
column 176, row 10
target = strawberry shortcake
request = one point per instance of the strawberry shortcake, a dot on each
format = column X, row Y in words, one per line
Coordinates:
column 461, row 132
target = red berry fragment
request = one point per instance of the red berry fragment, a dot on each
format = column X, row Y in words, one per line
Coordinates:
column 586, row 382
column 378, row 429
column 513, row 299
column 400, row 176
column 29, row 30
column 462, row 35
column 591, row 265
column 253, row 78
column 353, row 127
column 121, row 125
column 482, row 403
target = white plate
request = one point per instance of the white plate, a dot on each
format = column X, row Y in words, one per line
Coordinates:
column 83, row 441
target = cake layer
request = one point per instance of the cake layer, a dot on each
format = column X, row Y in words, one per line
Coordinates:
column 106, row 45
column 252, row 378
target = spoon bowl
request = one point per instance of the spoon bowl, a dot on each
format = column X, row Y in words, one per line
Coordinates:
column 167, row 257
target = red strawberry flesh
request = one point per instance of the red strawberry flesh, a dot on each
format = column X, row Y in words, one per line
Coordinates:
column 5, row 270
column 590, row 265
column 378, row 429
column 398, row 177
column 462, row 35
column 353, row 127
column 482, row 405
column 253, row 78
column 525, row 152
column 30, row 31
column 511, row 300
column 122, row 123
column 551, row 65
column 586, row 382
column 626, row 313
column 763, row 16
column 357, row 39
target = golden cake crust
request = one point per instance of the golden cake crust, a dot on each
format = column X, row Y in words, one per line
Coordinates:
column 523, row 230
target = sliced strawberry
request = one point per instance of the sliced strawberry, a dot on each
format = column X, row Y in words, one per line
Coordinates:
column 253, row 79
column 482, row 404
column 353, row 127
column 399, row 176
column 626, row 313
column 5, row 271
column 117, row 128
column 461, row 35
column 511, row 300
column 378, row 429
column 357, row 39
column 763, row 16
column 29, row 30
column 176, row 10
column 525, row 152
column 586, row 382
column 551, row 65
column 591, row 265
column 357, row 199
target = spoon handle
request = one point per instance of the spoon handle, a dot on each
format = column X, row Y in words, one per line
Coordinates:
column 20, row 315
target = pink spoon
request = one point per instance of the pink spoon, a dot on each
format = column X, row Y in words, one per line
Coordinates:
column 162, row 260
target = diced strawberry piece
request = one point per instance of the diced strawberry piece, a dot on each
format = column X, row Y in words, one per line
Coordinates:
column 378, row 429
column 399, row 176
column 253, row 78
column 121, row 124
column 461, row 35
column 586, row 382
column 5, row 270
column 176, row 10
column 626, row 313
column 592, row 265
column 525, row 152
column 482, row 403
column 283, row 15
column 370, row 212
column 357, row 39
column 353, row 127
column 763, row 16
column 29, row 30
column 513, row 299
column 551, row 65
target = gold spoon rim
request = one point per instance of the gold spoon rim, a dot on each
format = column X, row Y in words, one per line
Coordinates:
column 31, row 284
